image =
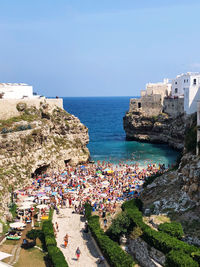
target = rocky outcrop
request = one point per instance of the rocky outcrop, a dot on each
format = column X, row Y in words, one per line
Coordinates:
column 155, row 129
column 177, row 194
column 37, row 140
column 145, row 255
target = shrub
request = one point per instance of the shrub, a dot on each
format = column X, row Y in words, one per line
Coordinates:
column 88, row 210
column 191, row 136
column 150, row 179
column 54, row 253
column 33, row 234
column 179, row 259
column 56, row 256
column 120, row 225
column 159, row 240
column 174, row 229
column 196, row 256
column 111, row 250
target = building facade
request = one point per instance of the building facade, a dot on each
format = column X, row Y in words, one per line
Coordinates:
column 188, row 86
column 161, row 88
column 16, row 91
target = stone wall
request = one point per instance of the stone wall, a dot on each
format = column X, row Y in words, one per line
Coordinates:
column 173, row 106
column 198, row 126
column 8, row 107
column 148, row 104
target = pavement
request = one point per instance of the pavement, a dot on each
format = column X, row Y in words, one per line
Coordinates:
column 73, row 225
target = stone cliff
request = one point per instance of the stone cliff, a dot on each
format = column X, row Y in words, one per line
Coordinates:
column 155, row 129
column 38, row 139
column 177, row 194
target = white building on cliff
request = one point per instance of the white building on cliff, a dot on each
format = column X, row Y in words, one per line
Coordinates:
column 16, row 91
column 161, row 88
column 188, row 86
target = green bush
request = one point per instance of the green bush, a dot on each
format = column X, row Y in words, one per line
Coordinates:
column 54, row 253
column 179, row 259
column 111, row 250
column 56, row 256
column 88, row 210
column 174, row 229
column 159, row 240
column 150, row 179
column 191, row 136
column 50, row 240
column 120, row 225
column 196, row 256
column 33, row 234
column 13, row 210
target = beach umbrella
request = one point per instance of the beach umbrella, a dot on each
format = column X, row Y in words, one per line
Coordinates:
column 44, row 197
column 17, row 225
column 42, row 206
column 54, row 193
column 4, row 255
column 29, row 198
column 25, row 207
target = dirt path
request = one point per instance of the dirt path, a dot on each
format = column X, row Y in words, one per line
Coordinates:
column 73, row 225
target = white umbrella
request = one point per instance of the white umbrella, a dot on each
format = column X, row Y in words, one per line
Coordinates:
column 29, row 199
column 44, row 197
column 17, row 225
column 42, row 206
column 4, row 255
column 25, row 207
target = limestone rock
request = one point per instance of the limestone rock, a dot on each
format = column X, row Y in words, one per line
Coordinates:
column 41, row 139
column 155, row 129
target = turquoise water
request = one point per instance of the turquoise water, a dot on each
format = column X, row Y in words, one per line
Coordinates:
column 104, row 118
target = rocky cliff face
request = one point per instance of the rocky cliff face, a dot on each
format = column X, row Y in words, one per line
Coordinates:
column 38, row 139
column 156, row 129
column 177, row 193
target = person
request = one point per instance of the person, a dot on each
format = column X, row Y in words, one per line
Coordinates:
column 86, row 227
column 57, row 227
column 66, row 239
column 105, row 222
column 101, row 259
column 78, row 253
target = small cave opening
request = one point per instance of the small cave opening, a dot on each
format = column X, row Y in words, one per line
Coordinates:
column 40, row 170
column 67, row 161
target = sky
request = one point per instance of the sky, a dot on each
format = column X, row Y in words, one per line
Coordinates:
column 97, row 47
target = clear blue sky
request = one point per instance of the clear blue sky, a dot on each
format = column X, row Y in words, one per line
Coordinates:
column 97, row 47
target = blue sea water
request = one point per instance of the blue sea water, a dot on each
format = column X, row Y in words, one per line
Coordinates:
column 104, row 118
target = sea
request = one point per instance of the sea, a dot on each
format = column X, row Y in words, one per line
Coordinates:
column 104, row 118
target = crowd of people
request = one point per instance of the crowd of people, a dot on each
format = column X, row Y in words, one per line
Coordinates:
column 103, row 185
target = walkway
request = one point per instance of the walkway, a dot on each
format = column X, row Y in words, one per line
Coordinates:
column 73, row 225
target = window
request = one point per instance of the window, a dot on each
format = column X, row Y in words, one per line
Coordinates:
column 175, row 82
column 184, row 81
column 139, row 105
column 176, row 90
column 195, row 81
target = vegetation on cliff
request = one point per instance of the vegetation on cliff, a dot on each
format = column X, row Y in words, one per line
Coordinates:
column 36, row 140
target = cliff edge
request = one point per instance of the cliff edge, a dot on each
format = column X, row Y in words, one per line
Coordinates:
column 38, row 139
column 155, row 129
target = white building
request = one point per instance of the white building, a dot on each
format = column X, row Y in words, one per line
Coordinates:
column 16, row 91
column 161, row 88
column 188, row 86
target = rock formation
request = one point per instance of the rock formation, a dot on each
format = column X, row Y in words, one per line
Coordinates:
column 177, row 194
column 155, row 129
column 38, row 139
